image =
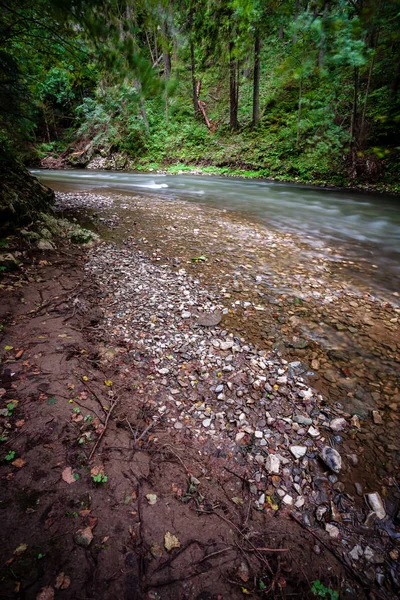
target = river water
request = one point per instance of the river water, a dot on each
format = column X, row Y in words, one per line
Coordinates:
column 360, row 226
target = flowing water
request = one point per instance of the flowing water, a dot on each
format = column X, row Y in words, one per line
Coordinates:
column 361, row 226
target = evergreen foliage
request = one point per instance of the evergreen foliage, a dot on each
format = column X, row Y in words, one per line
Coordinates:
column 285, row 88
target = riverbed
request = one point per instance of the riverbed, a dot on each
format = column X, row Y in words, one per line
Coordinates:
column 320, row 299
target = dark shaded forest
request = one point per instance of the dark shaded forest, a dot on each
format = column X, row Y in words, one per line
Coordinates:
column 305, row 91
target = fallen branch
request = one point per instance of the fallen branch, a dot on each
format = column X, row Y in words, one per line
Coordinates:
column 113, row 405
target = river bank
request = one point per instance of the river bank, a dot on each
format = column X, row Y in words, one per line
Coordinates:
column 122, row 162
column 229, row 357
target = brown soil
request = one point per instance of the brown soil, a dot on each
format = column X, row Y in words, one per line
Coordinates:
column 55, row 371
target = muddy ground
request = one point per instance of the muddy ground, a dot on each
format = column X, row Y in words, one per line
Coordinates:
column 106, row 494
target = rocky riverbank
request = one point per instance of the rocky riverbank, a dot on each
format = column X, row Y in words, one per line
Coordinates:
column 236, row 409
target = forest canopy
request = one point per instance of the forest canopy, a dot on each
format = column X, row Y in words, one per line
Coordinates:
column 295, row 89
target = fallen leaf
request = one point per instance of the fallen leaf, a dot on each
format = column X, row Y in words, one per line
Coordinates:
column 97, row 470
column 62, row 581
column 20, row 549
column 108, row 382
column 237, row 500
column 46, row 593
column 85, row 378
column 68, row 475
column 92, row 522
column 20, row 423
column 19, row 353
column 76, row 418
column 156, row 550
column 84, row 537
column 152, row 499
column 2, row 392
column 18, row 462
column 171, row 541
column 8, row 348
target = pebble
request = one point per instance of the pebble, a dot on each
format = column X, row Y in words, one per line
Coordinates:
column 186, row 314
column 302, row 420
column 272, row 464
column 332, row 530
column 331, row 458
column 298, row 451
column 206, row 422
column 338, row 424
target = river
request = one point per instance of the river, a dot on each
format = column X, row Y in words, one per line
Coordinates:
column 359, row 226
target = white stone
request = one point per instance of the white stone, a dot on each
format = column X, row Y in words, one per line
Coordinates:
column 299, row 502
column 258, row 434
column 272, row 464
column 186, row 314
column 288, row 500
column 298, row 451
column 338, row 424
column 313, row 431
column 356, row 553
column 206, row 422
column 226, row 345
column 332, row 530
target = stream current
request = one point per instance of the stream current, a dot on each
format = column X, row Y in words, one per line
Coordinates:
column 358, row 226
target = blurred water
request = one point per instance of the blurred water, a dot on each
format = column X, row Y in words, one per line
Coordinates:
column 357, row 225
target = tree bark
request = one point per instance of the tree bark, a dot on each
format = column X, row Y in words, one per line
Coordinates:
column 299, row 112
column 233, row 104
column 194, row 85
column 166, row 52
column 353, row 125
column 256, row 80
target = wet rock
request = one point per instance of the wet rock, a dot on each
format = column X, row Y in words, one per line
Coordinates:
column 331, row 458
column 330, row 376
column 209, row 319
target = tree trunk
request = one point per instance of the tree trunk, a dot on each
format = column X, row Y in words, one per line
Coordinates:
column 256, row 80
column 194, row 85
column 353, row 125
column 166, row 52
column 299, row 112
column 233, row 104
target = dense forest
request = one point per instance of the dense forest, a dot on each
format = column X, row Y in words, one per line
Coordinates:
column 290, row 89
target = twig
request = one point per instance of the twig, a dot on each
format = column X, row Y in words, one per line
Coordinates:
column 212, row 554
column 113, row 405
column 262, row 558
column 330, row 549
column 136, row 441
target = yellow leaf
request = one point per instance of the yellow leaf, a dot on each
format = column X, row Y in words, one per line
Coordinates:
column 272, row 503
column 85, row 378
column 171, row 541
column 245, row 591
column 108, row 382
column 20, row 550
column 8, row 348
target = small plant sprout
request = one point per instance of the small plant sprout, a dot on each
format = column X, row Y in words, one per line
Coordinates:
column 77, row 410
column 100, row 478
column 10, row 456
column 88, row 419
column 321, row 591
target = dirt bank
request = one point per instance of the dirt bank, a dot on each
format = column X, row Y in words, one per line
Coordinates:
column 148, row 445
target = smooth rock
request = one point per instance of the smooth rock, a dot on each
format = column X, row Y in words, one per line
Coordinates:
column 302, row 420
column 375, row 502
column 331, row 458
column 186, row 314
column 226, row 345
